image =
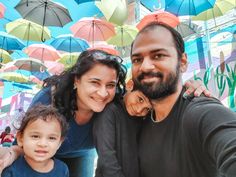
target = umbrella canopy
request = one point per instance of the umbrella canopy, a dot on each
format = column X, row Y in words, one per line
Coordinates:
column 4, row 56
column 187, row 29
column 124, row 35
column 83, row 1
column 93, row 29
column 28, row 30
column 69, row 59
column 115, row 11
column 29, row 64
column 9, row 42
column 219, row 9
column 54, row 67
column 15, row 77
column 44, row 12
column 42, row 52
column 105, row 47
column 69, row 43
column 160, row 17
column 187, row 7
column 2, row 10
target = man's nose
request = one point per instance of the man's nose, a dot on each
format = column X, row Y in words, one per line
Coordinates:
column 147, row 64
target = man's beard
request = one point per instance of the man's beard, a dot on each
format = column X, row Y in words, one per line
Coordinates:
column 159, row 90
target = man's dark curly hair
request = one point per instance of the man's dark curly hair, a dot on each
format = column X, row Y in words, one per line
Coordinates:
column 65, row 95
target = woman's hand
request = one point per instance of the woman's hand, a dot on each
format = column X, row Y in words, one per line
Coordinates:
column 136, row 103
column 196, row 88
column 8, row 156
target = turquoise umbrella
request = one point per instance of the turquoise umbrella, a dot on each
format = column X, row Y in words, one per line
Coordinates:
column 9, row 42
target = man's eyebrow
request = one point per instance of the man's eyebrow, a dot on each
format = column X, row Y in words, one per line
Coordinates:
column 152, row 51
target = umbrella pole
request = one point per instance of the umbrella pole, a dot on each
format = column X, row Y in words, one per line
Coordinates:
column 44, row 18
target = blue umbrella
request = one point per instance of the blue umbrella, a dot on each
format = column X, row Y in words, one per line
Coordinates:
column 9, row 42
column 83, row 1
column 69, row 43
column 188, row 7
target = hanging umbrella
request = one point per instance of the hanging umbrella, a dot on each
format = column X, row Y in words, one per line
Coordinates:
column 83, row 1
column 9, row 42
column 124, row 36
column 1, row 89
column 69, row 43
column 93, row 29
column 54, row 67
column 4, row 56
column 219, row 9
column 105, row 47
column 42, row 52
column 15, row 77
column 28, row 30
column 2, row 10
column 69, row 59
column 160, row 17
column 188, row 7
column 187, row 29
column 115, row 11
column 29, row 64
column 44, row 12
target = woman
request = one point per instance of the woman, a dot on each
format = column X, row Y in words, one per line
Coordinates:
column 94, row 81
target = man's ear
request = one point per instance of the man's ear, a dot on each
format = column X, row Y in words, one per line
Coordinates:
column 19, row 138
column 184, row 63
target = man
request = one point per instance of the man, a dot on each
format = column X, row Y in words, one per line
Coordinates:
column 181, row 137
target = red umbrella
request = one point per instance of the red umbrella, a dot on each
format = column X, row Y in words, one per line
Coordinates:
column 2, row 10
column 160, row 17
column 105, row 47
column 93, row 29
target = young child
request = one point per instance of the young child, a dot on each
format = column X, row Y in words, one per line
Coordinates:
column 40, row 135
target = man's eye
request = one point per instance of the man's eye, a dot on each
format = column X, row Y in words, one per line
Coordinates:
column 136, row 60
column 158, row 56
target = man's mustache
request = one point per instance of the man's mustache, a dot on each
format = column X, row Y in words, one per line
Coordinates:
column 150, row 74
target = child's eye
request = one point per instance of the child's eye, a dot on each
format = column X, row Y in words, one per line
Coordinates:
column 52, row 138
column 34, row 136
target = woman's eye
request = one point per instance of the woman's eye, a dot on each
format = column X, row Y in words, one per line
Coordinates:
column 111, row 86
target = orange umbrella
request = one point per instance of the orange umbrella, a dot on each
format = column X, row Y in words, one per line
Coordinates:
column 93, row 29
column 2, row 10
column 160, row 17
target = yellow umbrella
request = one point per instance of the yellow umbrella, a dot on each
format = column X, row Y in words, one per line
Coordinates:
column 124, row 35
column 4, row 56
column 115, row 11
column 219, row 9
column 15, row 77
column 28, row 30
column 69, row 59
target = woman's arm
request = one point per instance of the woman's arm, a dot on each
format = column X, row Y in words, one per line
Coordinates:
column 8, row 155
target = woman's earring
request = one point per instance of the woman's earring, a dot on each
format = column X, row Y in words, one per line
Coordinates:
column 74, row 87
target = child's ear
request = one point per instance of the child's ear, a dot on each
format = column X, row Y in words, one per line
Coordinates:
column 19, row 138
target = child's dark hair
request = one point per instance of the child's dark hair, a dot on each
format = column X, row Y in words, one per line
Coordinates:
column 43, row 112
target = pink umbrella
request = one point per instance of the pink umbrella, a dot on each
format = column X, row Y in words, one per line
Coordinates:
column 2, row 10
column 93, row 29
column 160, row 17
column 105, row 47
column 42, row 52
column 54, row 67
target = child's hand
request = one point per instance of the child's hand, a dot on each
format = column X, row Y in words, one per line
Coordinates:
column 136, row 103
column 196, row 88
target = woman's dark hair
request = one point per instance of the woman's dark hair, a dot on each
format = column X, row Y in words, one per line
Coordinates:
column 43, row 112
column 65, row 94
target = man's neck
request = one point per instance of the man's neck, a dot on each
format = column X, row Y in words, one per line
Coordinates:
column 163, row 107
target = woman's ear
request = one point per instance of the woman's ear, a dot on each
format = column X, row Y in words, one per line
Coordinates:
column 129, row 85
column 19, row 138
column 184, row 63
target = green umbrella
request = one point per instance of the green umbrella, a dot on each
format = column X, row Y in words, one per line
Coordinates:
column 15, row 77
column 28, row 30
column 124, row 35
